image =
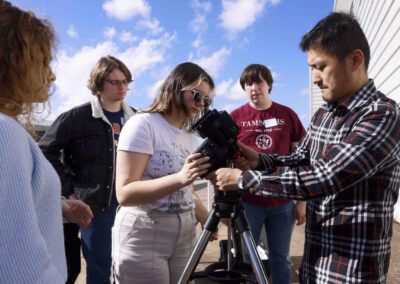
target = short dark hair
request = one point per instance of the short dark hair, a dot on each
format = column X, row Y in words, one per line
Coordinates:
column 252, row 74
column 337, row 34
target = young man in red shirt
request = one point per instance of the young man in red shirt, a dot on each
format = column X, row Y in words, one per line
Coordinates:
column 269, row 127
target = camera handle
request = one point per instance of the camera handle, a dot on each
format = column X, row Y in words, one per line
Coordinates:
column 234, row 211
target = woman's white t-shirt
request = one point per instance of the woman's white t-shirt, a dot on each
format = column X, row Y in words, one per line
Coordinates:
column 150, row 133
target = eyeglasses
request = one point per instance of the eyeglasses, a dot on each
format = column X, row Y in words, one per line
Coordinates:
column 198, row 96
column 119, row 83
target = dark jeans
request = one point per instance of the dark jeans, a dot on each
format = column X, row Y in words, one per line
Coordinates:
column 72, row 244
column 96, row 247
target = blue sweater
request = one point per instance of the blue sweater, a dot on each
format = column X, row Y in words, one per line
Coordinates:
column 31, row 238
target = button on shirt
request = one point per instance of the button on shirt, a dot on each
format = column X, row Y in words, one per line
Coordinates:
column 348, row 165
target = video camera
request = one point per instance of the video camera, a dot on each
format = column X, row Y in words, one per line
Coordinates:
column 221, row 133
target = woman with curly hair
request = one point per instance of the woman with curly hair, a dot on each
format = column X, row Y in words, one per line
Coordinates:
column 31, row 246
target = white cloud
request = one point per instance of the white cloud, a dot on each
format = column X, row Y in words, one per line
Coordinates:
column 237, row 15
column 126, row 9
column 230, row 107
column 205, row 6
column 153, row 25
column 274, row 74
column 197, row 42
column 127, row 37
column 160, row 75
column 231, row 90
column 199, row 24
column 223, row 87
column 147, row 54
column 305, row 92
column 214, row 63
column 274, row 2
column 152, row 90
column 237, row 93
column 73, row 71
column 109, row 32
column 72, row 32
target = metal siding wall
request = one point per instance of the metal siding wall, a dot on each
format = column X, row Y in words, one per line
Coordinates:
column 379, row 20
column 316, row 99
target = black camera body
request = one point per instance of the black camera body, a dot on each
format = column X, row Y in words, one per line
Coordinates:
column 220, row 132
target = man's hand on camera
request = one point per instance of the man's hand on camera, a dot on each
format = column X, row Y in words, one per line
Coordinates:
column 225, row 178
column 241, row 163
column 248, row 157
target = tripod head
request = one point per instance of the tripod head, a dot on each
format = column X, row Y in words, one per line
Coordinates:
column 227, row 203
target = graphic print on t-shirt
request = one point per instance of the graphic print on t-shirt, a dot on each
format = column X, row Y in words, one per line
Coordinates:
column 117, row 121
column 264, row 141
column 163, row 163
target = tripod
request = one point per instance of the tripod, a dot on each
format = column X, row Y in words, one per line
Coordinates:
column 226, row 205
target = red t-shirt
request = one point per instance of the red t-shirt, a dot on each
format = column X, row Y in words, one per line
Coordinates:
column 268, row 131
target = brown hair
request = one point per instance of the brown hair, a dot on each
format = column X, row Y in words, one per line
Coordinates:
column 187, row 76
column 27, row 47
column 252, row 74
column 102, row 69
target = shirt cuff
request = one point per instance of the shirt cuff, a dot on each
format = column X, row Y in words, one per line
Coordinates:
column 239, row 182
column 241, row 185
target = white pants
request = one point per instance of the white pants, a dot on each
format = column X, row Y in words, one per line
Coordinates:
column 151, row 247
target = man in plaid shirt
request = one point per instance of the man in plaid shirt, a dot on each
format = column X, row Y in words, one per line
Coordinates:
column 347, row 164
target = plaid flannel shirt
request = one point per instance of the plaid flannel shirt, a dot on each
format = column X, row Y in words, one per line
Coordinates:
column 347, row 166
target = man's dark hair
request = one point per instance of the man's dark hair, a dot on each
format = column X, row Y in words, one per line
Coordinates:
column 337, row 34
column 252, row 74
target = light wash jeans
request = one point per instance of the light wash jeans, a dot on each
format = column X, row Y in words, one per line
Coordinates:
column 279, row 221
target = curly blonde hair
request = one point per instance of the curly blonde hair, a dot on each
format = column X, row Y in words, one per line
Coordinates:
column 27, row 47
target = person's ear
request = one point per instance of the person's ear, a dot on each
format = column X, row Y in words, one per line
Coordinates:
column 357, row 59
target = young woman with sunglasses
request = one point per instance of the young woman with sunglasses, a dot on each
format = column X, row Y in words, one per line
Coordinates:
column 154, row 230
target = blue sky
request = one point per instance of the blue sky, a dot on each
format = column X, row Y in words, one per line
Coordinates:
column 153, row 36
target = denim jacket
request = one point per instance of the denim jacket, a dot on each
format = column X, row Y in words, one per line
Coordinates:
column 80, row 146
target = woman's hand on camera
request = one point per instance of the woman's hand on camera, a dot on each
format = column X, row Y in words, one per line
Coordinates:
column 225, row 178
column 194, row 167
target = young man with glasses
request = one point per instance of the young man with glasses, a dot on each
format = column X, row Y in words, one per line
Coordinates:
column 81, row 144
column 269, row 127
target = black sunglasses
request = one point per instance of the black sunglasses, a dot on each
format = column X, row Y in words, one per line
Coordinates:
column 198, row 96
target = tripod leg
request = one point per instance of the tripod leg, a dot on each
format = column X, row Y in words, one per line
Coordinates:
column 210, row 227
column 243, row 227
column 256, row 263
